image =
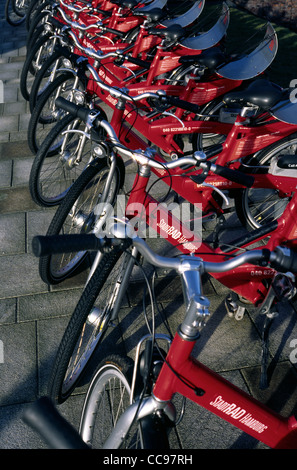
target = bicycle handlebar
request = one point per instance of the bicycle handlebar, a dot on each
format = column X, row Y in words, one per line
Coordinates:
column 43, row 417
column 80, row 27
column 144, row 157
column 76, row 10
column 281, row 259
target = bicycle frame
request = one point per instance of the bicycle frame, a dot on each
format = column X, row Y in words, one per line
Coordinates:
column 183, row 374
column 208, row 389
column 242, row 140
column 241, row 280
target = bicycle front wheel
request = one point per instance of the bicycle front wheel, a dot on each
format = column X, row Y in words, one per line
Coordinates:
column 78, row 213
column 45, row 114
column 15, row 11
column 37, row 55
column 107, row 398
column 59, row 162
column 89, row 322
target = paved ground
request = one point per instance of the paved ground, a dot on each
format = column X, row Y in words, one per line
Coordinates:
column 33, row 317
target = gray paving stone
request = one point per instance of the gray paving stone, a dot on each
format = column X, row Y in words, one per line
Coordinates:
column 13, row 150
column 4, row 137
column 10, row 93
column 50, row 305
column 18, row 107
column 24, row 121
column 37, row 224
column 5, row 173
column 9, row 123
column 15, row 434
column 18, row 369
column 21, row 171
column 8, row 308
column 19, row 276
column 281, row 395
column 15, row 136
column 12, row 234
column 10, row 66
column 16, row 200
column 9, row 74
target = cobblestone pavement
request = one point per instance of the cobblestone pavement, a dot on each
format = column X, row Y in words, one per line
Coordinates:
column 33, row 317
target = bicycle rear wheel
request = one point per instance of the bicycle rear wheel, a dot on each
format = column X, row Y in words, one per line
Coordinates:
column 90, row 322
column 256, row 207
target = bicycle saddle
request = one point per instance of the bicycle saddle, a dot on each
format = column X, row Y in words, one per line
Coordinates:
column 174, row 31
column 155, row 14
column 126, row 3
column 210, row 58
column 262, row 93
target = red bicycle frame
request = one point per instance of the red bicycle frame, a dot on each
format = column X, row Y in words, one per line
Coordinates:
column 221, row 397
column 241, row 280
column 242, row 140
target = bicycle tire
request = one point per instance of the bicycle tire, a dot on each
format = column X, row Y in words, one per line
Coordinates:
column 87, row 327
column 52, row 172
column 29, row 70
column 38, row 33
column 201, row 141
column 36, row 21
column 109, row 390
column 76, row 214
column 13, row 18
column 45, row 115
column 250, row 203
column 34, row 4
column 42, row 81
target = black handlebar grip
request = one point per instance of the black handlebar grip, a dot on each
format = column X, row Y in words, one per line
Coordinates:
column 234, row 175
column 47, row 245
column 286, row 260
column 114, row 31
column 76, row 111
column 193, row 108
column 43, row 417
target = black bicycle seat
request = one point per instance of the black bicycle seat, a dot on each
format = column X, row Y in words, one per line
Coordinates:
column 262, row 93
column 210, row 58
column 155, row 14
column 174, row 31
column 126, row 3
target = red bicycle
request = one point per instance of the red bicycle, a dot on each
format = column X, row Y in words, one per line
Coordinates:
column 167, row 122
column 132, row 407
column 130, row 43
column 87, row 208
column 47, row 30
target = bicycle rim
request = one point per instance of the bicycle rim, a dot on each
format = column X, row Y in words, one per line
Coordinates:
column 107, row 398
column 97, row 322
column 82, row 218
column 260, row 206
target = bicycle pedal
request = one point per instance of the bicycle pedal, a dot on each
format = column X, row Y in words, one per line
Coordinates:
column 233, row 307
